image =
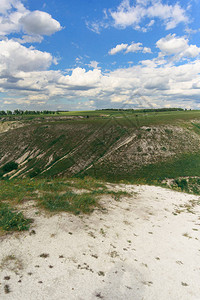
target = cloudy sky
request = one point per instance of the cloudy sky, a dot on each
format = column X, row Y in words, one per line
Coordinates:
column 89, row 54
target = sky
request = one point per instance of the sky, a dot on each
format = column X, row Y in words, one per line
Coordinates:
column 89, row 54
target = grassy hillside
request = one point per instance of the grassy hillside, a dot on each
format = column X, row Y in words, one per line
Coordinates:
column 60, row 162
column 114, row 145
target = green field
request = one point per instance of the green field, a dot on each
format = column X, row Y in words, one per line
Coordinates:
column 128, row 117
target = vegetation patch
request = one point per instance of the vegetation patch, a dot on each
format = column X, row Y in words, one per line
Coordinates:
column 10, row 219
column 8, row 167
column 54, row 195
column 185, row 184
column 70, row 201
column 185, row 165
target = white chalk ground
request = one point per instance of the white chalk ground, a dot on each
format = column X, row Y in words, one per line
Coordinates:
column 135, row 249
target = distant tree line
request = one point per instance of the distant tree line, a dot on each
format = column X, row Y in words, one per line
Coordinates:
column 18, row 112
column 144, row 110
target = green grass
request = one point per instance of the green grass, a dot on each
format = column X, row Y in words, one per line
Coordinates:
column 55, row 195
column 184, row 165
column 69, row 201
column 88, row 183
column 11, row 220
column 130, row 118
column 181, row 166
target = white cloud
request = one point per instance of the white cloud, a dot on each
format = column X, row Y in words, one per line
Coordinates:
column 5, row 6
column 177, row 47
column 29, row 39
column 10, row 16
column 93, row 64
column 24, row 76
column 14, row 17
column 96, row 26
column 146, row 50
column 118, row 48
column 39, row 23
column 15, row 57
column 127, row 15
column 171, row 14
column 172, row 45
column 81, row 79
column 141, row 85
column 133, row 47
column 192, row 51
column 161, row 83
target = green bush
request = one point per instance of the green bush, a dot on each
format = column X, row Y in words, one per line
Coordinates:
column 182, row 184
column 12, row 165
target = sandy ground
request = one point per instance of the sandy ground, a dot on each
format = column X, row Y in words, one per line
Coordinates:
column 143, row 247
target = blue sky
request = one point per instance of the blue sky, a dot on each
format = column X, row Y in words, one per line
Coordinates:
column 88, row 54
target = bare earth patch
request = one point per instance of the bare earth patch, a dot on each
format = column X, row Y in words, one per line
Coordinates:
column 136, row 248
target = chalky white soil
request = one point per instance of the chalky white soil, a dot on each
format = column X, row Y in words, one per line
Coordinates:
column 142, row 247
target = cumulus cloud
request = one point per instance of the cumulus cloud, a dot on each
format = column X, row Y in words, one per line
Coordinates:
column 132, row 15
column 118, row 48
column 178, row 47
column 15, row 57
column 133, row 47
column 10, row 14
column 139, row 85
column 25, row 76
column 80, row 79
column 39, row 23
column 14, row 17
column 6, row 5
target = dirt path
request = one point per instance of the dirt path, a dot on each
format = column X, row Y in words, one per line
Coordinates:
column 143, row 247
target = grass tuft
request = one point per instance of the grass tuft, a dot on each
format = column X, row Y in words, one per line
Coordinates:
column 70, row 201
column 12, row 220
